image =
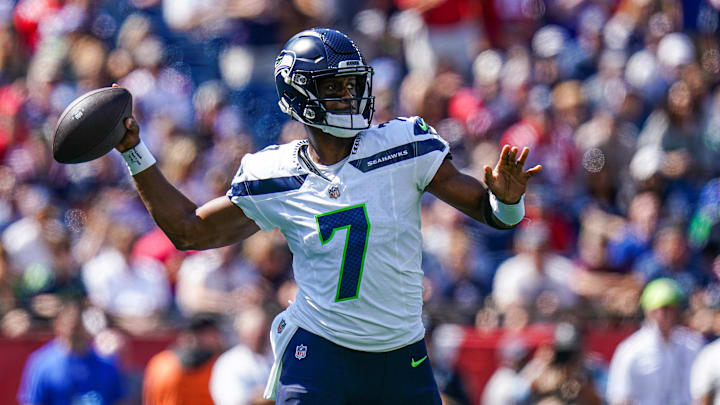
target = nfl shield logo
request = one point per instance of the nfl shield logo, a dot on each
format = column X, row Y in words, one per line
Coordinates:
column 334, row 191
column 281, row 326
column 301, row 352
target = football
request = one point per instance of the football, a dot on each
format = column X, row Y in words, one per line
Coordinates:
column 92, row 125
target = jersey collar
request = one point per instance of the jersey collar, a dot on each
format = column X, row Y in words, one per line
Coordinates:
column 299, row 145
column 296, row 155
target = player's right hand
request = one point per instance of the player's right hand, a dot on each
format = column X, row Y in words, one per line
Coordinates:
column 131, row 137
column 132, row 133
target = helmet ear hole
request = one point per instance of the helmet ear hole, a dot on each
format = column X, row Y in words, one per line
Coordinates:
column 313, row 112
column 299, row 79
column 309, row 113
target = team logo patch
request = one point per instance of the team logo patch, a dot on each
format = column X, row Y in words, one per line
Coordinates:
column 334, row 191
column 281, row 326
column 420, row 127
column 301, row 352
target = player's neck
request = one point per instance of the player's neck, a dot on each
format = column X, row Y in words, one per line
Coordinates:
column 327, row 149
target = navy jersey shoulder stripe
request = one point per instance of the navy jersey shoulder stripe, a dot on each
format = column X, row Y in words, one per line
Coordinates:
column 267, row 186
column 397, row 154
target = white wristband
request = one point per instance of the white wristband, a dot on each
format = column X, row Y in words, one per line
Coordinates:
column 507, row 213
column 138, row 158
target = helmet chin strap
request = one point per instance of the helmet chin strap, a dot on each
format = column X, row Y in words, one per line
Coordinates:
column 336, row 132
column 342, row 120
column 345, row 120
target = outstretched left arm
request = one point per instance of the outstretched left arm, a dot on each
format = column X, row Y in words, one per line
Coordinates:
column 507, row 181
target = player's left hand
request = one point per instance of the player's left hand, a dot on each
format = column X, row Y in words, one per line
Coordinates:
column 508, row 180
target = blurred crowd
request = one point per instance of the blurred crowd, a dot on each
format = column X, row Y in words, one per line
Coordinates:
column 617, row 99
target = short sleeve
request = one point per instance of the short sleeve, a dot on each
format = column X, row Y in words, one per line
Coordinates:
column 240, row 194
column 508, row 282
column 116, row 388
column 226, row 386
column 703, row 375
column 31, row 386
column 619, row 376
column 430, row 151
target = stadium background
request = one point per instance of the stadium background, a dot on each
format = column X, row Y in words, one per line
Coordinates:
column 617, row 99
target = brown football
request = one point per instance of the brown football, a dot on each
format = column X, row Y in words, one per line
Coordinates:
column 92, row 125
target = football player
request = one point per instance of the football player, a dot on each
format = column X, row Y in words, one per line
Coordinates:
column 347, row 199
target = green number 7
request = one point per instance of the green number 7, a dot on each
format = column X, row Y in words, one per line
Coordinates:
column 356, row 221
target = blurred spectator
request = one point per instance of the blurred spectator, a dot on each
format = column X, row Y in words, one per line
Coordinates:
column 7, row 284
column 444, row 344
column 703, row 315
column 705, row 376
column 635, row 238
column 26, row 240
column 711, row 127
column 557, row 146
column 535, row 278
column 453, row 31
column 512, row 22
column 268, row 254
column 219, row 281
column 611, row 293
column 674, row 129
column 508, row 386
column 42, row 291
column 135, row 290
column 605, row 89
column 68, row 370
column 549, row 136
column 704, row 232
column 606, row 143
column 547, row 44
column 465, row 290
column 28, row 16
column 563, row 373
column 240, row 374
column 181, row 375
column 544, row 206
column 652, row 366
column 156, row 245
column 670, row 257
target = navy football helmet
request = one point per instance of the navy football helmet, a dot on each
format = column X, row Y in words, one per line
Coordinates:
column 309, row 57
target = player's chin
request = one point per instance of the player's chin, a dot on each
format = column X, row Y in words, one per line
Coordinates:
column 344, row 108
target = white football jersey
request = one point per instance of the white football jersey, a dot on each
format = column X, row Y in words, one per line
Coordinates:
column 354, row 232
